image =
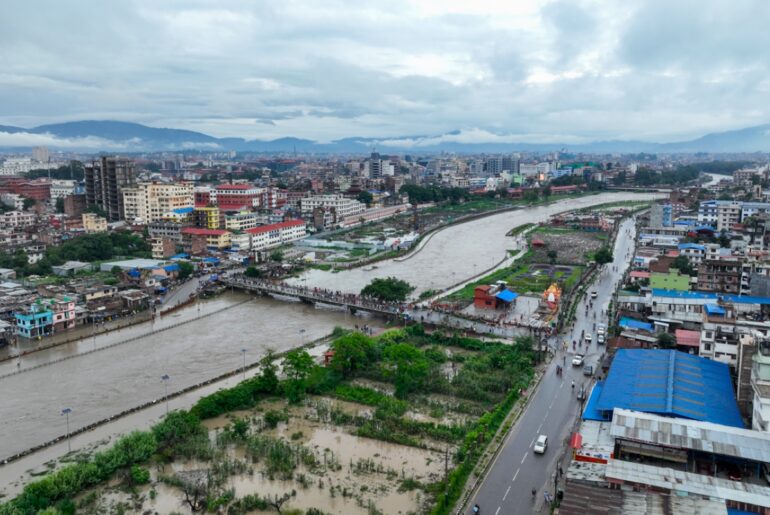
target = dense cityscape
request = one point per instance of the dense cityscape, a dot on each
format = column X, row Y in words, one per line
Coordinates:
column 395, row 259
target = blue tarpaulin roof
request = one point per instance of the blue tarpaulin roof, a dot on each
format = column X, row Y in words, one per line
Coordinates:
column 670, row 383
column 714, row 309
column 134, row 272
column 181, row 256
column 507, row 296
column 590, row 412
column 211, row 260
column 734, row 299
column 630, row 323
column 173, row 267
column 685, row 246
column 184, row 210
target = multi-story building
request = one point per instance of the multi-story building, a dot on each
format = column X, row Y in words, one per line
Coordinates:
column 163, row 248
column 63, row 309
column 216, row 238
column 62, row 188
column 343, row 207
column 12, row 200
column 272, row 235
column 105, row 179
column 15, row 219
column 166, row 230
column 94, row 223
column 724, row 214
column 243, row 221
column 34, row 322
column 719, row 275
column 760, row 384
column 231, row 197
column 40, row 154
column 661, row 215
column 208, row 217
column 74, row 205
column 16, row 166
column 694, row 252
column 728, row 215
column 150, row 201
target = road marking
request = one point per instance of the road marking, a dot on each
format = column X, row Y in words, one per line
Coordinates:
column 514, row 476
column 533, row 442
column 524, row 458
column 540, row 427
column 498, row 510
column 506, row 492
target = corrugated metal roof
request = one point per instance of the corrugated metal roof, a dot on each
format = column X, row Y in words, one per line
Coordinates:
column 671, row 383
column 688, row 482
column 691, row 434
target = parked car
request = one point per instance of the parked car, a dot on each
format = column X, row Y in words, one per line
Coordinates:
column 581, row 395
column 541, row 444
column 588, row 370
column 600, row 339
column 601, row 329
column 588, row 338
column 577, row 360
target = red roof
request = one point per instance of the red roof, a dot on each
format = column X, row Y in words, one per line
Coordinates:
column 639, row 274
column 204, row 232
column 275, row 227
column 235, row 187
column 688, row 338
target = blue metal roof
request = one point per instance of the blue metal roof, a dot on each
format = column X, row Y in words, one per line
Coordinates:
column 714, row 309
column 184, row 210
column 670, row 383
column 746, row 299
column 685, row 246
column 181, row 256
column 211, row 260
column 590, row 412
column 734, row 299
column 507, row 295
column 636, row 324
column 174, row 267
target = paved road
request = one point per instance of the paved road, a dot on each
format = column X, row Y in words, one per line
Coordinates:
column 552, row 409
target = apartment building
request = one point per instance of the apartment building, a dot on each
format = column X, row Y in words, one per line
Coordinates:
column 272, row 235
column 342, row 206
column 217, row 238
column 760, row 384
column 148, row 202
column 719, row 275
column 17, row 219
column 105, row 180
column 243, row 221
column 94, row 223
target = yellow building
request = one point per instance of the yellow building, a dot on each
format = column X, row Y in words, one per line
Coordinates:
column 94, row 223
column 148, row 202
column 207, row 217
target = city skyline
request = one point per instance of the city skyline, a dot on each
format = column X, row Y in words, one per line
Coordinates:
column 527, row 72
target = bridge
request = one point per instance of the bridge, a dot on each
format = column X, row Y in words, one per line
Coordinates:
column 349, row 301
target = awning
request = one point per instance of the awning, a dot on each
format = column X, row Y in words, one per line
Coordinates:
column 507, row 296
column 576, row 441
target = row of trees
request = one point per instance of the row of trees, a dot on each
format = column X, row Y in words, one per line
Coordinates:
column 422, row 194
column 682, row 175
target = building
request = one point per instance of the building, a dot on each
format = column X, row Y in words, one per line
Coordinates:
column 341, row 206
column 70, row 268
column 163, row 248
column 104, row 183
column 166, row 230
column 63, row 309
column 207, row 217
column 12, row 200
column 273, row 235
column 40, row 154
column 493, row 297
column 235, row 197
column 16, row 166
column 150, row 201
column 94, row 223
column 672, row 280
column 661, row 215
column 243, row 221
column 760, row 384
column 17, row 219
column 719, row 275
column 34, row 322
column 216, row 238
column 62, row 189
column 74, row 205
column 694, row 252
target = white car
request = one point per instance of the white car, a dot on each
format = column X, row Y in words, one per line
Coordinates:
column 541, row 444
column 577, row 360
column 594, row 294
column 600, row 329
column 600, row 339
column 588, row 338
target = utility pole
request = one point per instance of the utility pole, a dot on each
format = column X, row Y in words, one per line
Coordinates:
column 66, row 412
column 165, row 378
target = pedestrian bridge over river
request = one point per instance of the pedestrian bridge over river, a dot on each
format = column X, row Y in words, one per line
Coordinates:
column 349, row 301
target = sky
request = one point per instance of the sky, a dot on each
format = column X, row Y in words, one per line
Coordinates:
column 529, row 71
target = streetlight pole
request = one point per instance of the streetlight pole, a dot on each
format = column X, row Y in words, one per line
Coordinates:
column 243, row 352
column 165, row 378
column 66, row 412
column 302, row 336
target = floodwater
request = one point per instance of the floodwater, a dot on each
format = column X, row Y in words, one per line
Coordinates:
column 101, row 384
column 459, row 251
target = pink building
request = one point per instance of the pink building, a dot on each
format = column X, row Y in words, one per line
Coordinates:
column 63, row 313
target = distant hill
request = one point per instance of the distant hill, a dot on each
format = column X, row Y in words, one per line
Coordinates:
column 109, row 135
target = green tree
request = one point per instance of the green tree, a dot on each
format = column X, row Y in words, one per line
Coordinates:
column 59, row 205
column 603, row 256
column 724, row 240
column 682, row 263
column 297, row 366
column 388, row 289
column 365, row 197
column 253, row 272
column 116, row 271
column 186, row 269
column 666, row 341
column 28, row 203
column 407, row 366
column 552, row 256
column 531, row 195
column 546, row 192
column 276, row 256
column 352, row 352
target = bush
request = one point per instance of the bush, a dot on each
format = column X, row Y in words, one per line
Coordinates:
column 388, row 289
column 273, row 417
column 139, row 475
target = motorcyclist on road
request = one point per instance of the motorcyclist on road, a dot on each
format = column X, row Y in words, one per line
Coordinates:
column 476, row 509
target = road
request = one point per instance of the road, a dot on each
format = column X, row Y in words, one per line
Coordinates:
column 507, row 487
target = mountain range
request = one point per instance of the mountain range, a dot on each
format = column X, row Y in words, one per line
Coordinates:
column 107, row 135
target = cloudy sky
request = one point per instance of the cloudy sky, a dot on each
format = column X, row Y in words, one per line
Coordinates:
column 562, row 70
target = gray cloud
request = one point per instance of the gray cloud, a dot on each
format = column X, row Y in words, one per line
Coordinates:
column 579, row 69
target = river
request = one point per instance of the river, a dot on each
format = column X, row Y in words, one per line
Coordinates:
column 100, row 384
column 458, row 251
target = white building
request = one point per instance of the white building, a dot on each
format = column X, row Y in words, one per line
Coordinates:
column 148, row 202
column 344, row 207
column 61, row 189
column 13, row 219
column 12, row 200
column 273, row 235
column 760, row 384
column 16, row 166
